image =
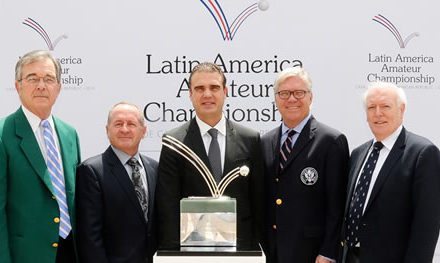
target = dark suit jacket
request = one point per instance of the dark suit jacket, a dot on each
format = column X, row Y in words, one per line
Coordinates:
column 178, row 179
column 402, row 218
column 309, row 218
column 111, row 224
column 27, row 203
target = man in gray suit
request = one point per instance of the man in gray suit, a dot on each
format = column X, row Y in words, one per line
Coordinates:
column 393, row 203
column 237, row 146
column 115, row 195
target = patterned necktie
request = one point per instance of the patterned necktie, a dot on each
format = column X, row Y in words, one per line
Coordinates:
column 286, row 149
column 214, row 155
column 138, row 185
column 359, row 196
column 55, row 170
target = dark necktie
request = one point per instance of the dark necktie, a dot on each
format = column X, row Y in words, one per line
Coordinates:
column 214, row 155
column 359, row 196
column 286, row 149
column 138, row 185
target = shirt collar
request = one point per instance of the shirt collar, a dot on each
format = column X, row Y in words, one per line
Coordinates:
column 298, row 128
column 204, row 127
column 34, row 120
column 391, row 140
column 123, row 157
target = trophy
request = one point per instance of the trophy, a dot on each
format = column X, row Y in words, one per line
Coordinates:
column 207, row 221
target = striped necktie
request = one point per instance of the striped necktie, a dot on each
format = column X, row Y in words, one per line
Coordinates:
column 56, row 175
column 286, row 149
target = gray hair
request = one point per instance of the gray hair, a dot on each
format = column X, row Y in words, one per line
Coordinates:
column 401, row 96
column 34, row 56
column 293, row 72
column 138, row 110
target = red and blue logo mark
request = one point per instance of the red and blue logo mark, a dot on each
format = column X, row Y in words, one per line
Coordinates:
column 40, row 30
column 388, row 25
column 227, row 29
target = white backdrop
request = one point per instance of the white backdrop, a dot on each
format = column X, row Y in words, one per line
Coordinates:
column 141, row 51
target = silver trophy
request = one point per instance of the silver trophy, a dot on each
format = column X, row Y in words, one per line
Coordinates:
column 207, row 221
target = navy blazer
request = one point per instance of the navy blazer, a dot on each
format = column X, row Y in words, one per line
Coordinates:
column 304, row 217
column 401, row 220
column 110, row 221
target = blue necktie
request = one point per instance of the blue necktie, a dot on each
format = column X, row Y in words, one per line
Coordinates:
column 55, row 170
column 286, row 149
column 359, row 197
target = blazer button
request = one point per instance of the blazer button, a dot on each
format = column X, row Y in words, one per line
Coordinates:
column 277, row 180
column 56, row 220
column 55, row 244
column 274, row 227
column 53, row 197
column 279, row 201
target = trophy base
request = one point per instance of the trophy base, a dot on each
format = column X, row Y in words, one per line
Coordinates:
column 208, row 222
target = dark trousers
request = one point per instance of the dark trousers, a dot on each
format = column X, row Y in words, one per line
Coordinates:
column 65, row 251
column 353, row 255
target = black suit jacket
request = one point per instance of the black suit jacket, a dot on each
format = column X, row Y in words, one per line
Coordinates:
column 308, row 220
column 402, row 217
column 110, row 221
column 178, row 179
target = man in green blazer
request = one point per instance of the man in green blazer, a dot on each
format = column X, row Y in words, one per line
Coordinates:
column 38, row 157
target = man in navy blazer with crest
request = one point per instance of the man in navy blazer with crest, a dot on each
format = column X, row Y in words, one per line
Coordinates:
column 401, row 214
column 112, row 225
column 306, row 187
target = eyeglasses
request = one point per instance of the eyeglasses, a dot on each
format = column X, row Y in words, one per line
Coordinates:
column 297, row 94
column 34, row 80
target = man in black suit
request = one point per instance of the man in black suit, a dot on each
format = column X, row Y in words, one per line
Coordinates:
column 306, row 165
column 239, row 146
column 399, row 203
column 115, row 195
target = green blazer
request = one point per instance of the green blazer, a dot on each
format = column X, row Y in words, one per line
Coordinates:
column 28, row 208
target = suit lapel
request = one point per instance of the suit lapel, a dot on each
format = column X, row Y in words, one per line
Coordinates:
column 393, row 157
column 230, row 151
column 151, row 184
column 305, row 137
column 30, row 147
column 67, row 148
column 118, row 171
column 274, row 152
column 356, row 170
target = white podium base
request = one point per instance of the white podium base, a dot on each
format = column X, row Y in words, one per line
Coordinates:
column 170, row 256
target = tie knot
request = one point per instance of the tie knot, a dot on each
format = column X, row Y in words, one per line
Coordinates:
column 45, row 124
column 377, row 146
column 213, row 132
column 133, row 162
column 291, row 133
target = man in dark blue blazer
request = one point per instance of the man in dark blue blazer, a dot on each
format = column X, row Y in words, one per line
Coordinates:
column 115, row 196
column 306, row 165
column 399, row 219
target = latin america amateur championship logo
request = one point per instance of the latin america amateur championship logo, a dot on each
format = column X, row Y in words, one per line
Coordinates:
column 393, row 29
column 229, row 30
column 40, row 30
column 70, row 79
